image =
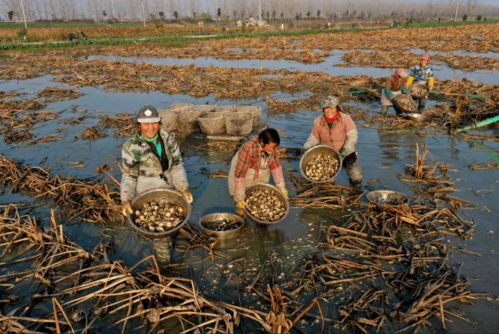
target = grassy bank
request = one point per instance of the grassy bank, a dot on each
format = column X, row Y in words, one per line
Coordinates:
column 133, row 33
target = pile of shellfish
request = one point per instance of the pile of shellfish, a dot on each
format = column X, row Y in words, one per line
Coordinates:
column 321, row 167
column 159, row 216
column 418, row 91
column 265, row 205
column 405, row 103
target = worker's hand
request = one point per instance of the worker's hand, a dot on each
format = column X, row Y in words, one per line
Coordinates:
column 126, row 208
column 284, row 191
column 431, row 82
column 240, row 205
column 343, row 154
column 187, row 195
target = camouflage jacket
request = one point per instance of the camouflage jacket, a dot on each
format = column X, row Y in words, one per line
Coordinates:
column 139, row 162
column 421, row 73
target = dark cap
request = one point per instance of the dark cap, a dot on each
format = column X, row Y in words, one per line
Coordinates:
column 148, row 114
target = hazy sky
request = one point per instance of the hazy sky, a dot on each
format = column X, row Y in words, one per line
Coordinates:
column 131, row 9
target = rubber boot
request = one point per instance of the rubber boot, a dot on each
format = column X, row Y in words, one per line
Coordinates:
column 421, row 104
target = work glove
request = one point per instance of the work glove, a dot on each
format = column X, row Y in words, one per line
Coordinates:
column 409, row 81
column 240, row 205
column 187, row 195
column 431, row 82
column 126, row 208
column 343, row 154
column 284, row 191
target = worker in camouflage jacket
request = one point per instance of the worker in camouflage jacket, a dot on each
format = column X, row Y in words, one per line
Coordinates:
column 151, row 159
column 422, row 74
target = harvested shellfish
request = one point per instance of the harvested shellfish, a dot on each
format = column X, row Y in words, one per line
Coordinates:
column 405, row 103
column 322, row 167
column 418, row 91
column 159, row 216
column 264, row 205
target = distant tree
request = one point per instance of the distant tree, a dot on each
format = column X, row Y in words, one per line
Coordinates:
column 268, row 16
column 10, row 14
column 318, row 13
column 479, row 18
column 175, row 15
column 194, row 14
column 282, row 15
column 362, row 15
column 465, row 17
column 353, row 14
column 346, row 14
column 308, row 14
column 234, row 13
column 104, row 13
column 219, row 12
column 273, row 14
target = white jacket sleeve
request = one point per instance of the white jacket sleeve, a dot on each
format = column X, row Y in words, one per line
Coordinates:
column 311, row 142
column 179, row 177
column 349, row 146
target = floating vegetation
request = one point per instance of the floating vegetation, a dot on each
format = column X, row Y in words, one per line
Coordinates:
column 59, row 93
column 92, row 132
column 123, row 123
column 93, row 202
column 159, row 216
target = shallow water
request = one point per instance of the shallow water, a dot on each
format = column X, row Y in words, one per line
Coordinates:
column 329, row 66
column 383, row 156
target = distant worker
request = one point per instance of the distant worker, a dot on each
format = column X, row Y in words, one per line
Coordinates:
column 422, row 74
column 151, row 159
column 337, row 129
column 253, row 163
column 394, row 85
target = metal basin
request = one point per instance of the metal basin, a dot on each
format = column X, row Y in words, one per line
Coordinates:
column 274, row 191
column 171, row 196
column 405, row 103
column 312, row 153
column 221, row 236
column 386, row 197
column 418, row 91
column 415, row 116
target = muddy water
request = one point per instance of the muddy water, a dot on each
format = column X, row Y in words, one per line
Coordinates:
column 275, row 249
column 329, row 66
